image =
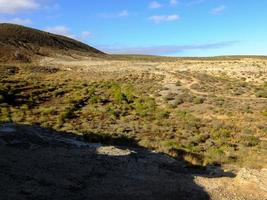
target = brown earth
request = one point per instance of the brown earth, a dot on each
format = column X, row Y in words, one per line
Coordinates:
column 21, row 43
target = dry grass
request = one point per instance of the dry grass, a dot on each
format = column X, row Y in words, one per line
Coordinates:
column 211, row 109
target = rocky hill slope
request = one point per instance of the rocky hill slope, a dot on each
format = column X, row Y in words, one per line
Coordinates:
column 22, row 43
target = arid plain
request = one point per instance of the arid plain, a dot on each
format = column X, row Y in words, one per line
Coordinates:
column 207, row 116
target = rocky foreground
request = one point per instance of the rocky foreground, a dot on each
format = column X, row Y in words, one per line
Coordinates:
column 37, row 163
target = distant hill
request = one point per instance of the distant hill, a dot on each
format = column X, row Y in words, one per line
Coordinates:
column 22, row 43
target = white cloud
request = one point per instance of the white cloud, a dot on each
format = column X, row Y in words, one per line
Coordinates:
column 85, row 35
column 172, row 18
column 218, row 10
column 60, row 30
column 52, row 7
column 123, row 13
column 63, row 30
column 167, row 49
column 15, row 6
column 17, row 20
column 154, row 5
column 164, row 18
column 173, row 2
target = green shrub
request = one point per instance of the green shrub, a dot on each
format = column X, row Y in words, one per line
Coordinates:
column 169, row 97
column 264, row 113
column 250, row 141
column 199, row 100
column 4, row 114
column 214, row 156
column 60, row 122
column 163, row 114
column 178, row 101
column 186, row 117
column 261, row 94
column 200, row 138
column 219, row 101
column 145, row 106
column 119, row 96
column 169, row 144
column 114, row 112
column 94, row 99
column 122, row 93
column 48, row 111
column 2, row 99
column 18, row 116
column 67, row 114
column 24, row 107
column 178, row 83
column 129, row 93
column 220, row 133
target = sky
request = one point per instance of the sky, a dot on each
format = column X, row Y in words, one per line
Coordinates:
column 151, row 27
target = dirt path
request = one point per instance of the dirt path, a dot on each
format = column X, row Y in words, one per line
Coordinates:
column 171, row 78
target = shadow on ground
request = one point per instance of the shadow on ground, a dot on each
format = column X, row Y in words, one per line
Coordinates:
column 40, row 164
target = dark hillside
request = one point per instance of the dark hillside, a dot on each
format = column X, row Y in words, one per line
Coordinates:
column 21, row 43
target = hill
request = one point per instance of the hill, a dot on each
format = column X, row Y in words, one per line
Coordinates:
column 22, row 43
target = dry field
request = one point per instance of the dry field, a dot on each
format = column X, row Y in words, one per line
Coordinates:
column 207, row 110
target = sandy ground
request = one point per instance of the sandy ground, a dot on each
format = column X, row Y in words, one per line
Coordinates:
column 252, row 69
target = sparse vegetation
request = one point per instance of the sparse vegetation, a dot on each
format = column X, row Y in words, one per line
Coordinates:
column 208, row 120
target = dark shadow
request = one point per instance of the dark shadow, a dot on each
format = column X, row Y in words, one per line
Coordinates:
column 38, row 163
column 210, row 171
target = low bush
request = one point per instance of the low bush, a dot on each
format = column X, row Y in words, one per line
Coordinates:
column 261, row 94
column 162, row 114
column 2, row 98
column 214, row 156
column 145, row 106
column 264, row 113
column 199, row 100
column 169, row 97
column 178, row 83
column 178, row 101
column 250, row 141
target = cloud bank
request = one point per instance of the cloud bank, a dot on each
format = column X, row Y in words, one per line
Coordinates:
column 164, row 18
column 17, row 20
column 167, row 49
column 63, row 30
column 154, row 5
column 218, row 10
column 16, row 6
column 60, row 30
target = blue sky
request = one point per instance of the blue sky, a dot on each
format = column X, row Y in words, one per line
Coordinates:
column 160, row 27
